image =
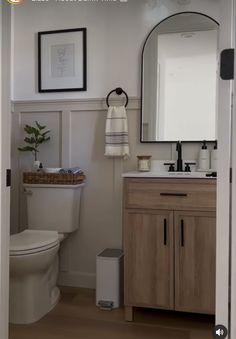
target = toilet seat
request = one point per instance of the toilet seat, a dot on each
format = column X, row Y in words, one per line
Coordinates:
column 32, row 241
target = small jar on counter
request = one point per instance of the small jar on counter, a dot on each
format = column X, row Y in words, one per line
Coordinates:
column 144, row 163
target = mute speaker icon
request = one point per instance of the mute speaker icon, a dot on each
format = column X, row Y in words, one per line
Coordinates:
column 220, row 331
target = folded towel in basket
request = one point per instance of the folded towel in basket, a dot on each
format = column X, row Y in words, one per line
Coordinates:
column 71, row 170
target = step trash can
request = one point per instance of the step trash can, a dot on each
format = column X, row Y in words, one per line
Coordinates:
column 109, row 279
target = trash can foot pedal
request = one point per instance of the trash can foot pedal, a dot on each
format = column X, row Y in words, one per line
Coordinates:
column 105, row 305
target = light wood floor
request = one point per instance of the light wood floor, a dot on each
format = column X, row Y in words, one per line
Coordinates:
column 77, row 317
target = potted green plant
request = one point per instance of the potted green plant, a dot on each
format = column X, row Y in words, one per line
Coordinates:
column 36, row 136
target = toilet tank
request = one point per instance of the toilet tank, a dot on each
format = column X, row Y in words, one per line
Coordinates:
column 53, row 207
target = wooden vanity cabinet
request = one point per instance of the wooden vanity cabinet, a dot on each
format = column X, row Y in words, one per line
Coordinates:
column 149, row 245
column 169, row 244
column 195, row 243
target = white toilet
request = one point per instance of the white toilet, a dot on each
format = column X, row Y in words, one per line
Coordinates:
column 53, row 212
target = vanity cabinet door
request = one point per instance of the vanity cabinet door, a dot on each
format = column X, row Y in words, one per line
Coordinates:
column 195, row 261
column 148, row 261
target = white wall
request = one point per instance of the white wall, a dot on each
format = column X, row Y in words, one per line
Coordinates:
column 116, row 33
column 115, row 36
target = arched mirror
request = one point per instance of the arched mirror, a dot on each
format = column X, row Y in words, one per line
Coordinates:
column 179, row 80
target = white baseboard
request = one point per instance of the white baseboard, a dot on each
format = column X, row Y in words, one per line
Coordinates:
column 77, row 279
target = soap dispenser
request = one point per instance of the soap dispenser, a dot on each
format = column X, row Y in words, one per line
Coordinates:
column 214, row 157
column 204, row 158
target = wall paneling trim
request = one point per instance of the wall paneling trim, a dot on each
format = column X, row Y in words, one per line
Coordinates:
column 77, row 138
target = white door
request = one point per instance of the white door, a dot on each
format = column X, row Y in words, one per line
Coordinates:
column 5, row 115
column 224, row 294
column 233, row 210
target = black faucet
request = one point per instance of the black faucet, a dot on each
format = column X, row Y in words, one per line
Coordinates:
column 179, row 160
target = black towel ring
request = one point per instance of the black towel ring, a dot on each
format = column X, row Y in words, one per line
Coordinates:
column 118, row 91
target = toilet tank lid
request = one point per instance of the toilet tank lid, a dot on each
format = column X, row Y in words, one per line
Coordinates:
column 32, row 239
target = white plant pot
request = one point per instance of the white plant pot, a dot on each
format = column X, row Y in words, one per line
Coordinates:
column 36, row 165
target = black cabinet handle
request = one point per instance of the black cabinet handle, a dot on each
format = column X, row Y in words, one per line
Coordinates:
column 182, row 233
column 165, row 232
column 174, row 194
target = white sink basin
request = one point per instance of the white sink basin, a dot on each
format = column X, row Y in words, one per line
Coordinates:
column 163, row 174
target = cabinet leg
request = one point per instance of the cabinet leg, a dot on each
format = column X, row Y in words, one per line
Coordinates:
column 129, row 313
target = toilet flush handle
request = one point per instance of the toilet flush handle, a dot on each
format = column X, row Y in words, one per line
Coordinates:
column 27, row 192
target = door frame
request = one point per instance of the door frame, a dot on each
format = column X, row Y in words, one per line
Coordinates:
column 5, row 118
column 223, row 189
column 233, row 203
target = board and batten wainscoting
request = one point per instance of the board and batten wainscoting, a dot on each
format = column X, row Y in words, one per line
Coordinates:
column 77, row 139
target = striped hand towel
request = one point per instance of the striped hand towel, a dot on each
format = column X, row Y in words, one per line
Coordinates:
column 117, row 144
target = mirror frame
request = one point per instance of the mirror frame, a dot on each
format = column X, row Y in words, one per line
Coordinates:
column 142, row 64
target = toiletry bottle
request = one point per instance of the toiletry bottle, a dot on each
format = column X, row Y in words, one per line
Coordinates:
column 204, row 158
column 214, row 157
column 40, row 169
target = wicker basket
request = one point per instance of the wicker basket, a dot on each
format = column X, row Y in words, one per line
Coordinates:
column 53, row 178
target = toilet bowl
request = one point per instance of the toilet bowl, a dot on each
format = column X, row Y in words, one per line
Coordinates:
column 33, row 275
column 53, row 214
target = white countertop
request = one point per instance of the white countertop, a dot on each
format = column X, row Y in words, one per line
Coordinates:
column 182, row 175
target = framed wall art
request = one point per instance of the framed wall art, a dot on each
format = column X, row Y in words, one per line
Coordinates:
column 62, row 64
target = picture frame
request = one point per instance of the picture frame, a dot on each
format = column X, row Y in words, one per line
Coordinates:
column 62, row 60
